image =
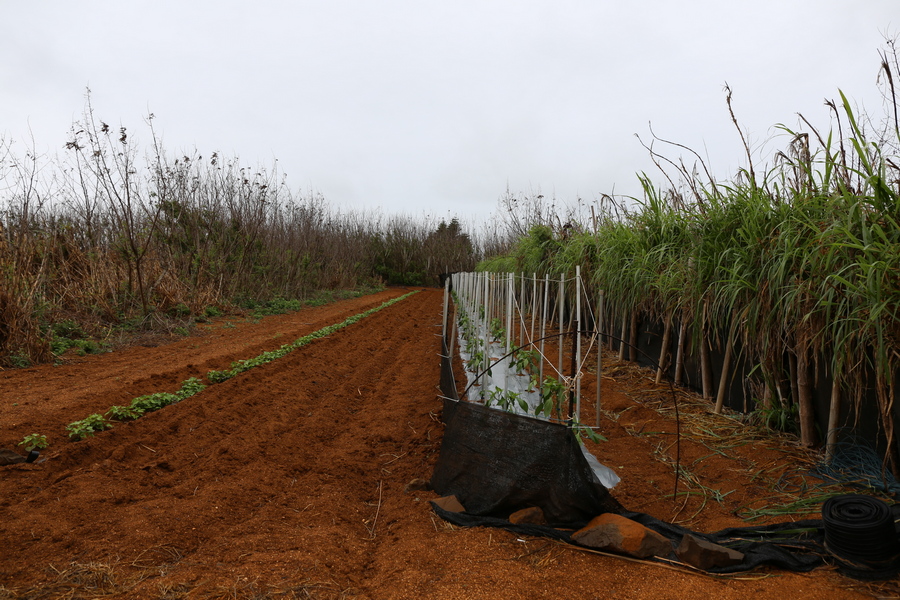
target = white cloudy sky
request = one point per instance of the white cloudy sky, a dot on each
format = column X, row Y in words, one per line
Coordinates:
column 412, row 105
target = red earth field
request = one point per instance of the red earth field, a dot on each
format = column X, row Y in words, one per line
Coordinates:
column 289, row 480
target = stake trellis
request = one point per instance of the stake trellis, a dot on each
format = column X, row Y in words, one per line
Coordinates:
column 522, row 305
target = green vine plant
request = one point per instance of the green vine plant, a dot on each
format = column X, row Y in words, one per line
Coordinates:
column 553, row 395
column 583, row 431
column 498, row 333
column 78, row 430
column 240, row 366
column 152, row 402
column 34, row 441
column 526, row 362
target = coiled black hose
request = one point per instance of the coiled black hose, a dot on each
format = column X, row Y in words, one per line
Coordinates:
column 860, row 534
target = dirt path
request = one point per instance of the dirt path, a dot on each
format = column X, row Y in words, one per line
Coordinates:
column 288, row 481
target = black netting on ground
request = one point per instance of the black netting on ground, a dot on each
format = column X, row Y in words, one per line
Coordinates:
column 792, row 546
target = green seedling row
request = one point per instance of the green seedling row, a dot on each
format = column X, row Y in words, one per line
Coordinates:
column 78, row 430
column 240, row 366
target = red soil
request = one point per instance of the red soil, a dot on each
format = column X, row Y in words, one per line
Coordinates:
column 288, row 481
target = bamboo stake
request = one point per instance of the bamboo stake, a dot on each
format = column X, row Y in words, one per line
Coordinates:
column 446, row 304
column 486, row 329
column 534, row 299
column 622, row 335
column 599, row 327
column 544, row 328
column 521, row 304
column 562, row 325
column 578, row 340
column 510, row 292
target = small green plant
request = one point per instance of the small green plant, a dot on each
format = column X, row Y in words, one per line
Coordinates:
column 180, row 310
column 583, row 431
column 526, row 361
column 506, row 399
column 478, row 363
column 88, row 347
column 152, row 402
column 277, row 306
column 123, row 413
column 778, row 416
column 78, row 430
column 34, row 441
column 68, row 334
column 553, row 395
column 19, row 361
column 498, row 333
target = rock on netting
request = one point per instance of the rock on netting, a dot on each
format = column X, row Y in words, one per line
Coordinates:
column 860, row 534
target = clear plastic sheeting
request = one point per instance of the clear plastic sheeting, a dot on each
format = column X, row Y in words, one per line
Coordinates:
column 504, row 379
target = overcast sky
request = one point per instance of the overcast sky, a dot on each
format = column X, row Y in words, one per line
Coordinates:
column 416, row 106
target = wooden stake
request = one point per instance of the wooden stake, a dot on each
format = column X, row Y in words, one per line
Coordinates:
column 561, row 312
column 446, row 305
column 598, row 322
column 544, row 328
column 578, row 340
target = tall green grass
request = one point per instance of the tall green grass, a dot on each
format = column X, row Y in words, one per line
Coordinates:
column 800, row 261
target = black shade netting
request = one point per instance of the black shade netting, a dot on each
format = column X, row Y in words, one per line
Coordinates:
column 860, row 534
column 796, row 546
column 496, row 463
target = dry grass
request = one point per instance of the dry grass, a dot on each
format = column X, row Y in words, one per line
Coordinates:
column 791, row 488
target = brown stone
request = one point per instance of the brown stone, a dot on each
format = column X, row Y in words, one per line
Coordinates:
column 417, row 485
column 8, row 457
column 450, row 504
column 618, row 534
column 529, row 516
column 706, row 555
